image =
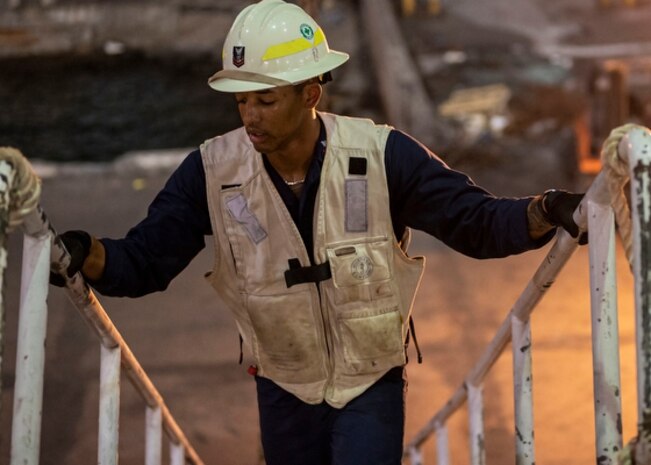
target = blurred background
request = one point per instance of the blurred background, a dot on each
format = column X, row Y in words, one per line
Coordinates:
column 106, row 98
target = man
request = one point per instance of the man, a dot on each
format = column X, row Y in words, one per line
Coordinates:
column 310, row 213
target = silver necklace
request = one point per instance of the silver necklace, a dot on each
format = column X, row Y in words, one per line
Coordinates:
column 294, row 183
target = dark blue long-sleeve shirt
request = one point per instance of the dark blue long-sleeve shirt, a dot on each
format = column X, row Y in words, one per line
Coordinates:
column 425, row 194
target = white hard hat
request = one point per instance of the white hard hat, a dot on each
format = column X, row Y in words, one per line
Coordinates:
column 272, row 44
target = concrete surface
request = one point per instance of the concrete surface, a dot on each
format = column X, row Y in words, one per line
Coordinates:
column 188, row 344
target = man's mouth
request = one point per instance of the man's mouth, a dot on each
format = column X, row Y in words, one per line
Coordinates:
column 256, row 136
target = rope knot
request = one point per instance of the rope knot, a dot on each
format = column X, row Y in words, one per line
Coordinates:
column 609, row 153
column 20, row 188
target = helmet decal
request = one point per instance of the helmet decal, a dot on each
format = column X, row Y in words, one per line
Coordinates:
column 238, row 56
column 307, row 31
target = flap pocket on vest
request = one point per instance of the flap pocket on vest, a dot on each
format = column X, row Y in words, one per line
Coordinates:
column 372, row 340
column 287, row 341
column 361, row 271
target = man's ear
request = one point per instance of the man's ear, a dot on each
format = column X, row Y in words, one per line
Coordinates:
column 312, row 94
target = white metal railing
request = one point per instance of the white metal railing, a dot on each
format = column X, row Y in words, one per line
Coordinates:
column 627, row 157
column 19, row 194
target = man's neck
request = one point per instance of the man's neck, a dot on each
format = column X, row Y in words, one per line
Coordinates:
column 293, row 160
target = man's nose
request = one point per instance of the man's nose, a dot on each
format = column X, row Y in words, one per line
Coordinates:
column 249, row 113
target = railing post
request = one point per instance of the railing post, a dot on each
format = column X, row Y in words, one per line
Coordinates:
column 442, row 450
column 523, row 391
column 30, row 356
column 415, row 457
column 154, row 436
column 177, row 454
column 638, row 143
column 605, row 332
column 109, row 406
column 476, row 412
column 7, row 172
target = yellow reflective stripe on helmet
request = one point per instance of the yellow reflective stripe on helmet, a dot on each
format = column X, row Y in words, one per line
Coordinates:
column 293, row 46
column 318, row 37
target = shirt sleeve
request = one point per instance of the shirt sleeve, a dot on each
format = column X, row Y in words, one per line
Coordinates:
column 158, row 248
column 427, row 195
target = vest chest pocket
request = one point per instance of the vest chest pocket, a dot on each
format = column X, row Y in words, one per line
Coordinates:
column 235, row 233
column 361, row 271
column 247, row 237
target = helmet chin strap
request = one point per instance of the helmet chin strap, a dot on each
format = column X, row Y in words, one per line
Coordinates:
column 321, row 78
column 325, row 77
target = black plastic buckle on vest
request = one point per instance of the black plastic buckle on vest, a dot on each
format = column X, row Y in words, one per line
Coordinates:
column 298, row 274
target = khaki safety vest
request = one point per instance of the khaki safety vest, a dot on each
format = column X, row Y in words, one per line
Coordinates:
column 333, row 339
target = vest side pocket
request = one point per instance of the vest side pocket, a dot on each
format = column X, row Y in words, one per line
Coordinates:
column 287, row 339
column 372, row 339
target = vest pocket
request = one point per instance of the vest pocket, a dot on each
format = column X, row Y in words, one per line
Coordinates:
column 361, row 271
column 372, row 339
column 287, row 342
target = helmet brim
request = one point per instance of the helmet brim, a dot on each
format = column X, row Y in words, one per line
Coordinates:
column 242, row 81
column 224, row 84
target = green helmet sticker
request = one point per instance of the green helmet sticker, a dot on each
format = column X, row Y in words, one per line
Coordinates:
column 307, row 31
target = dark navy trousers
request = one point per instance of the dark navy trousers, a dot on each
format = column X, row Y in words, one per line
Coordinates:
column 367, row 431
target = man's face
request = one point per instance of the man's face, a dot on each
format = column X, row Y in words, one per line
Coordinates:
column 272, row 118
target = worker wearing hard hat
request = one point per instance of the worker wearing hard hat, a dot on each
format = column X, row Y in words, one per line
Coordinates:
column 311, row 212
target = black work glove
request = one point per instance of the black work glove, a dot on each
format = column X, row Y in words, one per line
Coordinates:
column 77, row 243
column 558, row 208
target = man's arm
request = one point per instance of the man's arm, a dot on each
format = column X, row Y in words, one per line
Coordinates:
column 159, row 247
column 427, row 195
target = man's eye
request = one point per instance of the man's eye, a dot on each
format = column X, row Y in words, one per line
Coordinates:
column 241, row 101
column 269, row 102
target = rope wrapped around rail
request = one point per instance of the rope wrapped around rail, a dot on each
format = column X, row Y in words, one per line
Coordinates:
column 20, row 187
column 638, row 450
